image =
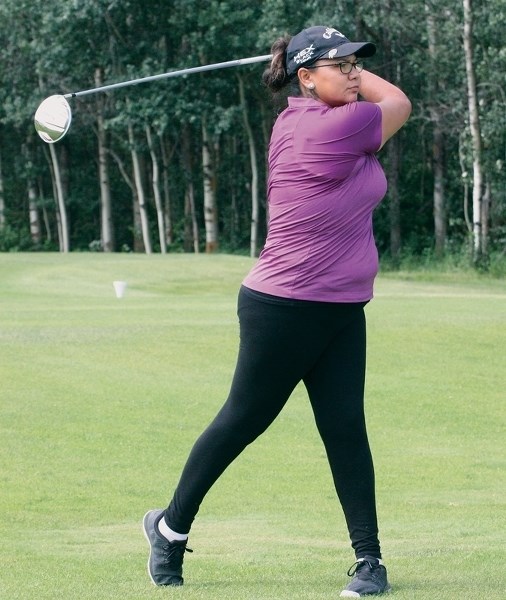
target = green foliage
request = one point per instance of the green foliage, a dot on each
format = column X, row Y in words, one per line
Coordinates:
column 10, row 239
column 61, row 46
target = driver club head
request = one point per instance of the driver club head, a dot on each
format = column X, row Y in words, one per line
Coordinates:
column 52, row 119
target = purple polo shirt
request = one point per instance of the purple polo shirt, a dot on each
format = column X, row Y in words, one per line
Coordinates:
column 324, row 183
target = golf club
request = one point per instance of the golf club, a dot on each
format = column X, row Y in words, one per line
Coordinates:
column 54, row 116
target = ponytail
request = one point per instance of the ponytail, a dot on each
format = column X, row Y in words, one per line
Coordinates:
column 275, row 76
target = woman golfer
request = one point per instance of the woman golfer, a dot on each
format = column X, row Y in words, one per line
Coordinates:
column 301, row 308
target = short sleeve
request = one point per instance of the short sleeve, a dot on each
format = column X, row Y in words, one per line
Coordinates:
column 331, row 142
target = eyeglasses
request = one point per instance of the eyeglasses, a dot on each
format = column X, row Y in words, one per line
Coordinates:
column 345, row 67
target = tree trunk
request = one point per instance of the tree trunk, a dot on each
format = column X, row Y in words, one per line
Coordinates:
column 465, row 180
column 47, row 155
column 139, row 188
column 107, row 230
column 437, row 140
column 393, row 152
column 167, row 205
column 254, row 171
column 45, row 216
column 138, row 242
column 439, row 191
column 62, row 211
column 33, row 212
column 191, row 237
column 156, row 191
column 2, row 198
column 474, row 123
column 210, row 208
column 485, row 212
column 31, row 188
column 191, row 233
column 234, row 222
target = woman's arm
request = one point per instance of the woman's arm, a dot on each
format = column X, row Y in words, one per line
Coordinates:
column 395, row 105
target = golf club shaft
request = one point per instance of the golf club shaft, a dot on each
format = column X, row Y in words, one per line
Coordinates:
column 222, row 65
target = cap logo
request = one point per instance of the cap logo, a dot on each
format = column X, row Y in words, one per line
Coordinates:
column 329, row 31
column 304, row 55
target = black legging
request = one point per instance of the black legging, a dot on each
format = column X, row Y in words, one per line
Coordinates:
column 283, row 342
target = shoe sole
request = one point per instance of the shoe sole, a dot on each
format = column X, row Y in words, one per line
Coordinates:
column 144, row 529
column 350, row 594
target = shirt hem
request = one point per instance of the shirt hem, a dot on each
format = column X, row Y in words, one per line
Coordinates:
column 332, row 297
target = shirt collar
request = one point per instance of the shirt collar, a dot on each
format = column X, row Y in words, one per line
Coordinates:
column 300, row 101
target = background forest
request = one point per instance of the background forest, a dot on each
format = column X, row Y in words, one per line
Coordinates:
column 180, row 165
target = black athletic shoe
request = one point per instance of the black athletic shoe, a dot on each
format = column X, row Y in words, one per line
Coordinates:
column 165, row 563
column 369, row 579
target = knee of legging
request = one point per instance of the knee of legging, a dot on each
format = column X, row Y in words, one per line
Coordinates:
column 238, row 431
column 344, row 428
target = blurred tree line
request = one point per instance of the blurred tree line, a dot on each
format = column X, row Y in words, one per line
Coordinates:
column 180, row 164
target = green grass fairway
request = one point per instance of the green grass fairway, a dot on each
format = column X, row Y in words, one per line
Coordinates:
column 101, row 399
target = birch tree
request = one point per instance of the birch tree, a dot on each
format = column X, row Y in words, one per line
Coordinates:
column 191, row 228
column 2, row 197
column 474, row 125
column 167, row 199
column 63, row 230
column 156, row 190
column 209, row 178
column 33, row 210
column 107, row 231
column 254, row 170
column 437, row 150
column 139, row 189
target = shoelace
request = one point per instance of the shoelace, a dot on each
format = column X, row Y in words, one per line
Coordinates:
column 174, row 554
column 358, row 565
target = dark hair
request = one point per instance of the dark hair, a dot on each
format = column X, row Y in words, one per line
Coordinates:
column 275, row 76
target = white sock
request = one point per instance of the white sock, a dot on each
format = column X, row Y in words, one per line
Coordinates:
column 167, row 532
column 379, row 559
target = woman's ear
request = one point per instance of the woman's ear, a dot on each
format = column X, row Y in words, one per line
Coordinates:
column 305, row 76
